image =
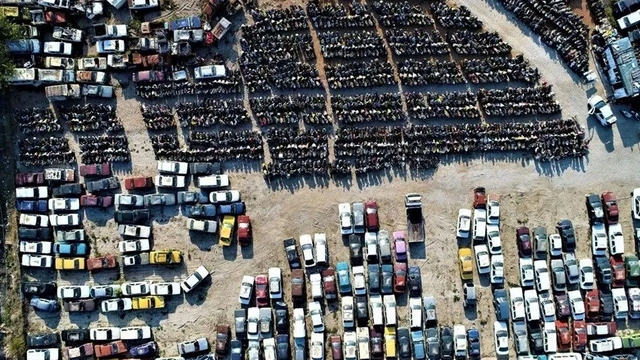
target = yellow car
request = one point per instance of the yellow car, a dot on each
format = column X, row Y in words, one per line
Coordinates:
column 390, row 342
column 148, row 302
column 165, row 257
column 226, row 230
column 70, row 263
column 466, row 263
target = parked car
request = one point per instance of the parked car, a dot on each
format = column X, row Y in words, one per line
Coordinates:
column 130, row 200
column 399, row 278
column 132, row 217
column 292, row 253
column 209, row 72
column 77, row 263
column 42, row 340
column 371, row 211
column 261, row 289
column 237, row 208
column 34, row 234
column 159, row 199
column 355, row 250
column 35, row 247
column 226, row 230
column 82, row 305
column 41, row 261
column 523, row 239
column 95, row 169
column 35, row 288
column 567, row 234
column 414, row 281
column 227, row 196
column 344, row 282
column 501, row 338
column 577, row 305
column 104, row 291
column 33, row 220
column 165, row 289
column 111, row 349
column 29, row 179
column 611, row 210
column 96, row 201
column 194, row 279
column 137, row 245
column 138, row 183
column 75, row 336
column 616, row 240
column 244, row 233
column 110, row 183
column 209, row 226
column 170, row 181
column 46, row 305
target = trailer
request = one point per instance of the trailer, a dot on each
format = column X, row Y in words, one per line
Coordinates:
column 62, row 92
column 415, row 220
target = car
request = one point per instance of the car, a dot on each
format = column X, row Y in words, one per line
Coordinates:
column 632, row 266
column 81, row 305
column 606, row 345
column 446, row 343
column 237, row 208
column 469, row 295
column 371, row 244
column 39, row 192
column 390, row 346
column 292, row 253
column 246, row 289
column 208, row 226
column 40, row 289
column 384, row 246
column 567, row 234
column 577, row 304
column 282, row 347
column 132, row 217
column 67, row 190
column 73, row 292
column 41, row 261
column 493, row 210
column 46, row 305
column 483, row 261
column 617, row 270
column 541, row 243
column 346, row 219
column 563, row 333
column 34, row 220
column 501, row 338
column 34, row 234
column 399, row 278
column 75, row 336
column 137, row 245
column 592, row 305
column 35, row 247
column 170, row 181
column 355, row 250
column 42, row 340
column 299, row 324
column 523, row 239
column 633, row 296
column 601, row 110
column 64, row 220
column 558, row 275
column 359, row 282
column 148, row 302
column 386, row 276
column 358, row 210
column 348, row 317
column 587, row 278
column 209, row 72
column 110, row 183
column 496, row 275
column 70, row 263
column 306, row 245
column 134, row 260
column 262, row 290
column 282, row 317
column 479, row 225
column 516, row 298
column 611, row 211
column 187, row 197
column 131, row 200
column 465, row 263
column 165, row 289
column 350, row 345
column 212, row 181
column 200, row 210
column 501, row 304
column 29, row 179
column 335, row 344
column 493, row 240
column 414, row 281
column 95, row 169
column 542, row 279
column 105, row 334
column 166, row 257
column 463, row 230
column 595, row 209
column 315, row 313
column 96, row 201
column 571, row 268
column 135, row 288
column 532, row 306
column 390, row 310
column 226, row 229
column 329, row 284
column 616, row 240
column 147, row 349
column 415, row 313
column 64, row 204
column 602, row 328
column 70, row 249
column 173, row 167
column 555, row 246
column 138, row 183
column 165, row 199
column 377, row 315
column 579, row 336
column 371, row 216
column 201, row 168
column 547, row 307
column 400, row 246
column 607, row 305
column 598, row 240
column 602, row 270
column 110, row 46
column 520, row 335
column 563, row 307
column 620, row 303
column 104, row 291
column 193, row 346
column 194, row 279
column 417, row 344
column 433, row 343
column 298, row 291
column 58, row 48
column 344, row 282
column 403, row 336
column 265, row 322
column 70, row 235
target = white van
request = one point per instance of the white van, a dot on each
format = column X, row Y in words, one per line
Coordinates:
column 630, row 20
column 362, row 334
column 549, row 338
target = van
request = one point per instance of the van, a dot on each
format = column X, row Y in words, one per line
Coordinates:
column 629, row 21
column 362, row 334
column 549, row 338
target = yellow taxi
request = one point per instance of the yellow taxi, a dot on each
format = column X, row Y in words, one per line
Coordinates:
column 148, row 302
column 390, row 342
column 226, row 230
column 165, row 257
column 466, row 263
column 70, row 263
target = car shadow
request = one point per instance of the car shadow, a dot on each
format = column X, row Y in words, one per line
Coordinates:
column 84, row 320
column 247, row 251
column 418, row 250
column 198, row 295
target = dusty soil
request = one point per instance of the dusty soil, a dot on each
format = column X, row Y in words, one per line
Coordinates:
column 531, row 193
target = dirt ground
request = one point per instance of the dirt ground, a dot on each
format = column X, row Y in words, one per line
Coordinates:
column 531, row 194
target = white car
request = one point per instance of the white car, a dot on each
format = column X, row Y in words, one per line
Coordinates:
column 483, row 261
column 371, row 244
column 105, row 334
column 377, row 313
column 497, row 270
column 415, row 313
column 317, row 346
column 493, row 239
column 104, row 291
column 501, row 338
column 349, row 343
column 526, row 272
column 135, row 288
column 460, row 341
column 316, row 286
column 346, row 218
column 40, row 192
column 58, row 48
column 209, row 72
column 532, row 307
column 547, row 307
column 635, row 203
column 275, row 283
column 299, row 324
column 390, row 310
column 36, row 247
column 549, row 338
column 170, row 181
column 359, row 282
column 463, row 230
column 65, row 220
column 139, row 231
column 633, row 295
column 210, row 226
column 129, row 246
column 620, row 303
column 194, row 279
column 212, row 181
column 165, row 289
column 347, row 312
column 246, row 290
column 135, row 333
column 606, row 345
column 601, row 110
column 587, row 277
column 268, row 349
column 479, row 224
column 320, row 242
column 227, row 196
column 110, row 46
column 555, row 245
column 173, row 167
column 493, row 213
column 42, row 261
column 74, row 292
column 315, row 312
column 69, row 204
column 129, row 200
column 34, row 220
column 113, row 305
column 517, row 304
column 577, row 305
column 306, row 245
column 598, row 240
column 571, row 267
column 543, row 280
column 616, row 240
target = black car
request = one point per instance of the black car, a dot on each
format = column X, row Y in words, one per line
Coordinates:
column 205, row 168
column 501, row 304
column 536, row 341
column 387, row 279
column 603, row 270
column 624, row 7
column 236, row 349
column 68, row 190
column 110, row 183
column 282, row 346
column 292, row 253
column 446, row 343
column 607, row 308
column 433, row 343
column 541, row 243
column 75, row 336
column 415, row 281
column 34, row 288
column 42, row 340
column 594, row 209
column 374, row 278
column 404, row 343
column 139, row 216
column 362, row 310
column 355, row 250
column 568, row 235
column 282, row 317
column 34, row 233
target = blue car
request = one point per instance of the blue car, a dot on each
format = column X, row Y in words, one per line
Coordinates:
column 374, row 278
column 473, row 339
column 387, row 279
column 145, row 350
column 192, row 22
column 282, row 347
column 417, row 343
column 38, row 206
column 205, row 211
column 63, row 248
column 232, row 209
column 344, row 279
column 47, row 305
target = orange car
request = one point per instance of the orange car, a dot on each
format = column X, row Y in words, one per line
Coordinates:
column 564, row 335
column 110, row 349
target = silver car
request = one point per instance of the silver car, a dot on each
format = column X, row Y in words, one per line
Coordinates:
column 358, row 217
column 384, row 246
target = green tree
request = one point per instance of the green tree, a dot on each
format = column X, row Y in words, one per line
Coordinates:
column 8, row 31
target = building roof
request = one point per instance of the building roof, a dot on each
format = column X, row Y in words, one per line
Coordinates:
column 620, row 55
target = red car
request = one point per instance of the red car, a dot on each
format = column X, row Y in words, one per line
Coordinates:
column 564, row 335
column 29, row 179
column 104, row 262
column 400, row 277
column 610, row 207
column 111, row 349
column 329, row 284
column 592, row 305
column 140, row 182
column 95, row 169
column 96, row 201
column 479, row 198
column 244, row 230
column 262, row 290
column 579, row 336
column 618, row 270
column 336, row 347
column 371, row 211
column 523, row 238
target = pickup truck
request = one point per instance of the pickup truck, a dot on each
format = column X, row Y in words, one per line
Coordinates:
column 415, row 220
column 55, row 174
column 78, row 352
column 104, row 31
column 97, row 63
column 54, row 62
column 67, row 34
column 144, row 44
